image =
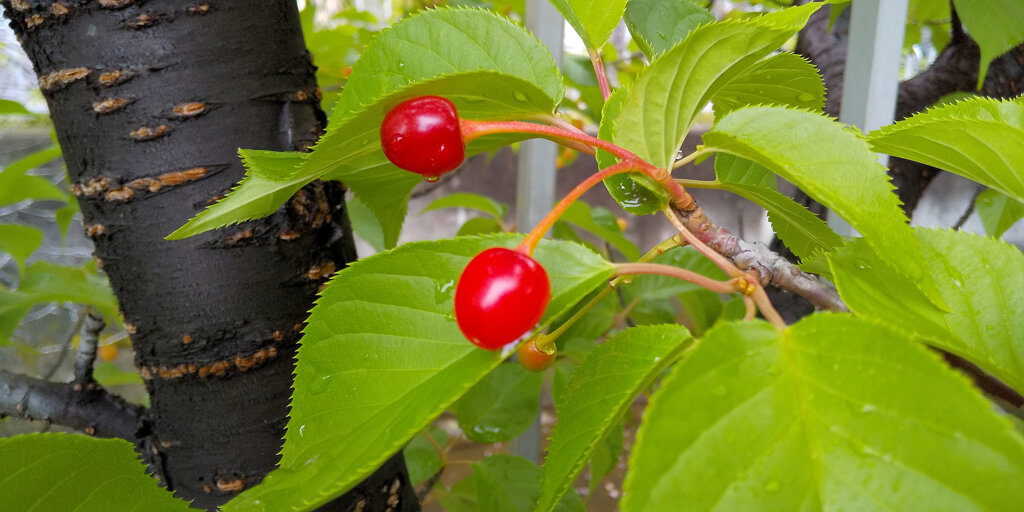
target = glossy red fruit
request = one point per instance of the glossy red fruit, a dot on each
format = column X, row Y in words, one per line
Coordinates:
column 500, row 296
column 422, row 135
column 534, row 358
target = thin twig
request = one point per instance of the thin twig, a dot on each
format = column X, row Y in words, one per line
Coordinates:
column 86, row 358
column 970, row 208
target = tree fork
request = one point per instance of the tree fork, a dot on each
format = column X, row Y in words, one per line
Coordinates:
column 151, row 101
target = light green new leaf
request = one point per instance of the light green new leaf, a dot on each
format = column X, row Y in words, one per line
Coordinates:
column 784, row 79
column 662, row 104
column 467, row 200
column 978, row 277
column 19, row 241
column 657, row 25
column 501, row 406
column 593, row 21
column 382, row 356
column 599, row 393
column 75, row 472
column 997, row 26
column 980, row 139
column 838, row 170
column 835, row 413
column 448, row 52
column 998, row 212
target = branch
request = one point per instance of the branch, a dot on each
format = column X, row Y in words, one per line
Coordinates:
column 88, row 408
column 770, row 266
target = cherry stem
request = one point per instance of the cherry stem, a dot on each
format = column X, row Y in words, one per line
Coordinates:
column 601, row 72
column 730, row 286
column 474, row 129
column 545, row 340
column 530, row 242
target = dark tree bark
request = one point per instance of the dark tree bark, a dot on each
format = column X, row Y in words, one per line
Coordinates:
column 151, row 101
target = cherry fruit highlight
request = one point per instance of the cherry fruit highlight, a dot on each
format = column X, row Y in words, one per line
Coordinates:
column 534, row 358
column 422, row 135
column 500, row 296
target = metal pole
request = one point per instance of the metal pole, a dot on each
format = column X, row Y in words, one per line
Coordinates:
column 872, row 78
column 535, row 182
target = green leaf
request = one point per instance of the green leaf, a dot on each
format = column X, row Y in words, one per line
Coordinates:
column 447, row 52
column 16, row 185
column 657, row 25
column 110, row 374
column 365, row 223
column 662, row 104
column 838, row 170
column 599, row 393
column 64, row 215
column 593, row 21
column 47, row 282
column 58, row 471
column 502, row 483
column 784, row 79
column 13, row 306
column 382, row 356
column 997, row 26
column 979, row 278
column 8, row 107
column 19, row 241
column 652, row 287
column 835, row 413
column 421, row 455
column 998, row 212
column 980, row 139
column 631, row 194
column 606, row 455
column 581, row 215
column 501, row 406
column 467, row 200
column 480, row 226
column 803, row 232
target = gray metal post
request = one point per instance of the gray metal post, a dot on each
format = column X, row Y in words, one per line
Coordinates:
column 872, row 78
column 535, row 185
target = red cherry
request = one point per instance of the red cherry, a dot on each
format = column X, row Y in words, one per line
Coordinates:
column 534, row 358
column 500, row 296
column 422, row 135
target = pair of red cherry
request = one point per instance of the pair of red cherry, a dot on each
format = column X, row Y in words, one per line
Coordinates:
column 502, row 293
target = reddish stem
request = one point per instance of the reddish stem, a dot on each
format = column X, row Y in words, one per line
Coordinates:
column 533, row 238
column 602, row 74
column 678, row 273
column 473, row 129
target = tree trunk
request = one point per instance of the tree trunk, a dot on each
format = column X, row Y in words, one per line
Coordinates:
column 151, row 101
